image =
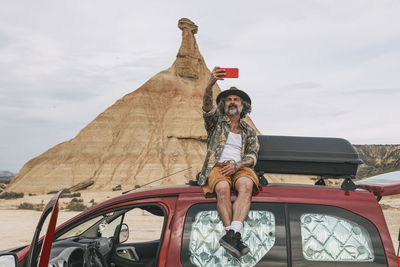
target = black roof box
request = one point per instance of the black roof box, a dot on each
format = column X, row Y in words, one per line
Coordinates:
column 322, row 156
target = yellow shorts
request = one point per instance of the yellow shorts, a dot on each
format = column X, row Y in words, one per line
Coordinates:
column 215, row 177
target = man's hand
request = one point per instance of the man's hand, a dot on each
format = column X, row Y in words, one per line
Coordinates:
column 208, row 94
column 233, row 166
column 229, row 169
column 216, row 75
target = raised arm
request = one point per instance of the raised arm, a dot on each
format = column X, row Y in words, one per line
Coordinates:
column 216, row 74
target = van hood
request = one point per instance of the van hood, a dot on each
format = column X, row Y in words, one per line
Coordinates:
column 386, row 184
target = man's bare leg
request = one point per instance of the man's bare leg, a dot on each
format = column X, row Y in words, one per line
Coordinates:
column 241, row 206
column 224, row 203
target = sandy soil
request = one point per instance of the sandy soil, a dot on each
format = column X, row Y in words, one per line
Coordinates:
column 17, row 226
column 391, row 210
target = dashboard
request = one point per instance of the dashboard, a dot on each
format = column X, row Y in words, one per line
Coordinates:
column 81, row 252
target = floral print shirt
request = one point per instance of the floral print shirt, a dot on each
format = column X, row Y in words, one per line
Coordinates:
column 218, row 128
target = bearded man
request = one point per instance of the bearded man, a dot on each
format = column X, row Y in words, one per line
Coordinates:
column 232, row 148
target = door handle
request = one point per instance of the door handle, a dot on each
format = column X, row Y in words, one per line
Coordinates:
column 128, row 253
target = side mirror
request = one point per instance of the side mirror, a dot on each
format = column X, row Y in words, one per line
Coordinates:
column 9, row 260
column 124, row 233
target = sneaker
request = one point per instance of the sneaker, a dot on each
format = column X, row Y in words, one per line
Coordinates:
column 241, row 247
column 229, row 242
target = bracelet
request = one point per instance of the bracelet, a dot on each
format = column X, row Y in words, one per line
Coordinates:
column 234, row 164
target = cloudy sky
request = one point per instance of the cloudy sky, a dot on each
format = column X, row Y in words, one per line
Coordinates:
column 312, row 68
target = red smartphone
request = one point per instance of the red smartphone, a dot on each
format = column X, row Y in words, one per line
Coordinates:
column 231, row 73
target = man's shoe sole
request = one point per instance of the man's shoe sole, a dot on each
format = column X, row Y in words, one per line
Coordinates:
column 244, row 252
column 231, row 250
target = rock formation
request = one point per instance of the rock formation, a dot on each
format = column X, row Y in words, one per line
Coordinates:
column 147, row 134
column 378, row 159
column 6, row 174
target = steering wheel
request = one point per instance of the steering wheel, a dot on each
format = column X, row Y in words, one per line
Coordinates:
column 93, row 258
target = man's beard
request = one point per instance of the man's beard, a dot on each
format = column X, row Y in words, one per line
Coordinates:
column 233, row 112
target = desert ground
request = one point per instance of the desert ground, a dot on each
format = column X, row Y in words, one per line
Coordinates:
column 18, row 225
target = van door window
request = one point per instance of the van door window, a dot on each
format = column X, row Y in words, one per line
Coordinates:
column 331, row 238
column 263, row 232
column 258, row 234
column 143, row 228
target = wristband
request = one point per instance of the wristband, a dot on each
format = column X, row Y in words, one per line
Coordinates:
column 234, row 164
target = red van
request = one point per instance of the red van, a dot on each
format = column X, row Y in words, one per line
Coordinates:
column 288, row 225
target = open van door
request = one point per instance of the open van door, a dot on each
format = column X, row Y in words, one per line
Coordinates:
column 44, row 250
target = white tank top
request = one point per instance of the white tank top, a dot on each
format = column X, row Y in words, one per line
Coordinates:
column 232, row 149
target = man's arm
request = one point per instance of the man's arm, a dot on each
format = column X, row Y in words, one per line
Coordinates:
column 246, row 162
column 208, row 93
column 234, row 166
column 207, row 99
column 251, row 151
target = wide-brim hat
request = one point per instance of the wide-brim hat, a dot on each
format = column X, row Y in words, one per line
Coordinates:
column 233, row 91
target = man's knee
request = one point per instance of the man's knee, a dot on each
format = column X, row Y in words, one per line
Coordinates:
column 222, row 189
column 244, row 185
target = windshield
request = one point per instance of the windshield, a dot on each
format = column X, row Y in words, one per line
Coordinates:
column 81, row 228
column 103, row 225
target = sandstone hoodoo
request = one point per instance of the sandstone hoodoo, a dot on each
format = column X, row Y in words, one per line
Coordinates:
column 151, row 132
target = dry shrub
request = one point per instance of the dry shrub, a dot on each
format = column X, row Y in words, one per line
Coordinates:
column 117, row 188
column 30, row 206
column 10, row 195
column 94, row 203
column 70, row 195
column 25, row 206
column 76, row 200
column 74, row 206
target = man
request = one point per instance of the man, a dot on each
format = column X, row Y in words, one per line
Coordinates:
column 232, row 149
